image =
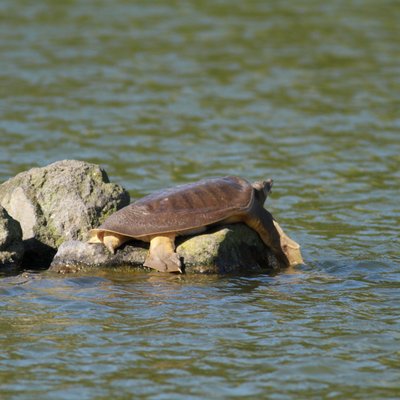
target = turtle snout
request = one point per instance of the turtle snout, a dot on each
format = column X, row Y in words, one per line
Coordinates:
column 268, row 185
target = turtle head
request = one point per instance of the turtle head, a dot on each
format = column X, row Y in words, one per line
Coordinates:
column 262, row 189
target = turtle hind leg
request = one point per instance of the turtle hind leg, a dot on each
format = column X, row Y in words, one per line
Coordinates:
column 162, row 256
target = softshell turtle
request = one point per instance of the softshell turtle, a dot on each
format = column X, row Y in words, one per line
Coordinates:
column 189, row 209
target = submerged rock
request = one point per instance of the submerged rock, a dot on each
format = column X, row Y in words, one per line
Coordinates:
column 11, row 247
column 229, row 249
column 59, row 202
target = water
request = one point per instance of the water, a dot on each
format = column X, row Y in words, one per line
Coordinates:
column 161, row 93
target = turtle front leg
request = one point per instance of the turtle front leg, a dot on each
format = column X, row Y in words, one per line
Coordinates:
column 285, row 249
column 289, row 246
column 162, row 256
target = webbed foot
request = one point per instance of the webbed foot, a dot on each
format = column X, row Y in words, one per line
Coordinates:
column 170, row 263
column 162, row 256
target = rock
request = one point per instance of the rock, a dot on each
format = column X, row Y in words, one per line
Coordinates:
column 59, row 202
column 11, row 247
column 229, row 249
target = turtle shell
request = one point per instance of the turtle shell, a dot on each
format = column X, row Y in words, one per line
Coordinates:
column 182, row 208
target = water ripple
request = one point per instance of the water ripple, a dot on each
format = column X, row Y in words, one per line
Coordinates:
column 162, row 94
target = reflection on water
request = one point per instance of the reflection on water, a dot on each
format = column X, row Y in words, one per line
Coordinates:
column 160, row 94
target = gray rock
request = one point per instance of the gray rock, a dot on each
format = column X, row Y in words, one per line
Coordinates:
column 59, row 202
column 11, row 247
column 229, row 249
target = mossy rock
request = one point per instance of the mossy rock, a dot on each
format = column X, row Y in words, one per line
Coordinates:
column 59, row 202
column 227, row 249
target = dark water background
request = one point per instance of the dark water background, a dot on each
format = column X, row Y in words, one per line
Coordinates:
column 166, row 92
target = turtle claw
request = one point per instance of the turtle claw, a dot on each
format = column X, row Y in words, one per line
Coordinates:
column 173, row 263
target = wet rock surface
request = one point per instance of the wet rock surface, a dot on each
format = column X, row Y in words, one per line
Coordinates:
column 228, row 249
